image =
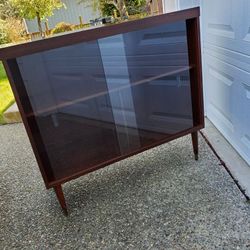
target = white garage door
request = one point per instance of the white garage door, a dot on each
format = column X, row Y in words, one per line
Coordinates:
column 226, row 66
column 226, row 37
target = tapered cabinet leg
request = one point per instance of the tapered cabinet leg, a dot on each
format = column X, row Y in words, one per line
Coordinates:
column 195, row 144
column 61, row 199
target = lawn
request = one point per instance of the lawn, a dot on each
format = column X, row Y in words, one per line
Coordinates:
column 6, row 95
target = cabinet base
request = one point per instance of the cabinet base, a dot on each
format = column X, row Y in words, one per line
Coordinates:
column 59, row 191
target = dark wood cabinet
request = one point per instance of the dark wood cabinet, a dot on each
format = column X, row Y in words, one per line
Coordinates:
column 94, row 97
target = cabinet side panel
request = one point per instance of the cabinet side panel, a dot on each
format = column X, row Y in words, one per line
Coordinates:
column 194, row 47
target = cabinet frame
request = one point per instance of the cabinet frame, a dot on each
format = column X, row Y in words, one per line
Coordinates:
column 10, row 54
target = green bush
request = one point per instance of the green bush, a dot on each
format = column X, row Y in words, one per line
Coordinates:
column 4, row 34
column 107, row 9
column 62, row 27
column 133, row 7
column 11, row 31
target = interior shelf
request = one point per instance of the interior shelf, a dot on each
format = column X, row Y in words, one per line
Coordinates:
column 103, row 93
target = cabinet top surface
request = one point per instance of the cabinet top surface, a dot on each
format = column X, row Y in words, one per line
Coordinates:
column 66, row 39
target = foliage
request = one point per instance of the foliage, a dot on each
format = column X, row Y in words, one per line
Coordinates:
column 62, row 27
column 79, row 26
column 11, row 27
column 11, row 31
column 138, row 16
column 39, row 9
column 7, row 10
column 99, row 4
column 4, row 36
column 30, row 8
column 135, row 6
column 107, row 7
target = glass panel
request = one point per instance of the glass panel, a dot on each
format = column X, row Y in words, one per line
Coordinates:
column 108, row 98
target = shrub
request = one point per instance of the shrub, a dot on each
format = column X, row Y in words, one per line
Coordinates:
column 4, row 35
column 79, row 26
column 107, row 9
column 136, row 6
column 11, row 31
column 62, row 27
column 16, row 29
column 133, row 7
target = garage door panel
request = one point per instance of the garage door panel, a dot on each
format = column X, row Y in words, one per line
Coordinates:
column 226, row 68
column 220, row 105
column 241, row 46
column 239, row 60
column 226, row 24
column 228, row 99
column 226, row 28
column 220, row 24
column 246, row 21
column 242, row 109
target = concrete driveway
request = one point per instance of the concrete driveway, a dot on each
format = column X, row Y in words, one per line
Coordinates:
column 160, row 199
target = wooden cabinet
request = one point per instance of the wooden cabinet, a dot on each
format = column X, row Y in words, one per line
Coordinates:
column 94, row 97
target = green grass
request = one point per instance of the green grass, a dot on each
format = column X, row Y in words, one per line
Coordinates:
column 6, row 95
column 2, row 72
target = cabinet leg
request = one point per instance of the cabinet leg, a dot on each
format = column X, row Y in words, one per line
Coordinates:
column 61, row 199
column 195, row 144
